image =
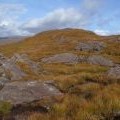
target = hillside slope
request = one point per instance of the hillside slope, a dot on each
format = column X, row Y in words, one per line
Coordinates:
column 83, row 66
column 58, row 41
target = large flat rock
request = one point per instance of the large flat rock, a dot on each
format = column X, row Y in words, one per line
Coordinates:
column 27, row 91
column 90, row 46
column 100, row 60
column 62, row 58
column 74, row 59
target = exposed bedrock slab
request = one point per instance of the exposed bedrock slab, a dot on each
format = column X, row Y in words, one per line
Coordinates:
column 9, row 69
column 27, row 92
column 99, row 60
column 25, row 59
column 14, row 71
column 62, row 58
column 72, row 58
column 90, row 46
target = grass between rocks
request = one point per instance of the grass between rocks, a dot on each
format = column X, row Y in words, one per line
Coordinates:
column 89, row 94
column 5, row 108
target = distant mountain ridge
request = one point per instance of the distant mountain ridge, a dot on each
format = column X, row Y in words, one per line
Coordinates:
column 6, row 40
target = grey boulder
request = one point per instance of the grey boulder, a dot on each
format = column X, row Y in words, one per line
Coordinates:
column 62, row 58
column 99, row 60
column 27, row 92
column 25, row 59
column 90, row 46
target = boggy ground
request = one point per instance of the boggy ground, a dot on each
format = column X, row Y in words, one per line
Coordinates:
column 82, row 65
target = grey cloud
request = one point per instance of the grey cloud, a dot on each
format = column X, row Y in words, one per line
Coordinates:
column 86, row 17
column 63, row 18
column 60, row 18
column 9, row 14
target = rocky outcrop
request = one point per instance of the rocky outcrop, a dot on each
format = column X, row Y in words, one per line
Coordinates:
column 73, row 59
column 21, row 92
column 114, row 72
column 25, row 59
column 90, row 46
column 9, row 70
column 13, row 71
column 100, row 60
column 62, row 58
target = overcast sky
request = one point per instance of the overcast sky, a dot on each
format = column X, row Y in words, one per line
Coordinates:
column 26, row 17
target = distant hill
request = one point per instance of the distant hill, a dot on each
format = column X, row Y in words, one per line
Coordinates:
column 52, row 42
column 6, row 40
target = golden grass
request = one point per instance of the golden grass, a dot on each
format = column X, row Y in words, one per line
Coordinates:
column 101, row 106
column 89, row 93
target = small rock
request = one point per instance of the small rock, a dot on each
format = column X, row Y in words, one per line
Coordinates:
column 114, row 72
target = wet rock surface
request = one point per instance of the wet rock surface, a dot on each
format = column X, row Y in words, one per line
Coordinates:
column 62, row 58
column 27, row 91
column 90, row 46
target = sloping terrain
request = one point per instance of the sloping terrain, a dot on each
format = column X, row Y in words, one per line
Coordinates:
column 82, row 67
column 8, row 40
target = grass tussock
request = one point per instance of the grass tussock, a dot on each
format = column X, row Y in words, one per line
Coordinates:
column 89, row 94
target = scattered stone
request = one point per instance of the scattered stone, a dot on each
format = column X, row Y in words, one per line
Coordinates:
column 114, row 72
column 100, row 60
column 62, row 58
column 21, row 92
column 90, row 46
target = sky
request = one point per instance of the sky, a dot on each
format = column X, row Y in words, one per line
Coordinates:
column 28, row 17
